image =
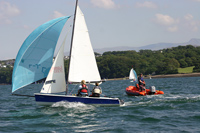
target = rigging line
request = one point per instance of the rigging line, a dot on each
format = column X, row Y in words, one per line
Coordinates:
column 72, row 89
column 23, row 95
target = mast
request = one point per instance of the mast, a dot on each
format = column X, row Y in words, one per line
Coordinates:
column 71, row 43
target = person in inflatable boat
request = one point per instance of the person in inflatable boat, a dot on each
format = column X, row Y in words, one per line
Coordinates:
column 141, row 82
column 83, row 89
column 96, row 91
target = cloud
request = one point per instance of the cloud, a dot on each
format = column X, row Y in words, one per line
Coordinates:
column 146, row 4
column 165, row 20
column 57, row 14
column 7, row 11
column 107, row 4
column 188, row 17
column 190, row 23
column 185, row 23
column 169, row 23
column 172, row 29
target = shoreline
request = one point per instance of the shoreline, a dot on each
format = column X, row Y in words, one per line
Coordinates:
column 155, row 76
column 163, row 76
column 176, row 75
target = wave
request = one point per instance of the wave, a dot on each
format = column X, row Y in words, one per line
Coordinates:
column 69, row 104
column 159, row 99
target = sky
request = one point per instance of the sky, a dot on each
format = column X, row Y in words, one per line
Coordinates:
column 111, row 23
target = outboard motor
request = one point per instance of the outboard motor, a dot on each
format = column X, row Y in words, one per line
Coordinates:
column 152, row 90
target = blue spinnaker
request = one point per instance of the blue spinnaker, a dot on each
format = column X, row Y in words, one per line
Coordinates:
column 35, row 56
column 135, row 75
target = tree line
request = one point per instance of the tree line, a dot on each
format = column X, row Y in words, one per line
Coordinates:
column 117, row 64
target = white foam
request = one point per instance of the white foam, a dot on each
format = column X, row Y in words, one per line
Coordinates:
column 68, row 104
column 127, row 104
column 74, row 106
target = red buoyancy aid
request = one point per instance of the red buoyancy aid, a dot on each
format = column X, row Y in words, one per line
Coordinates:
column 84, row 89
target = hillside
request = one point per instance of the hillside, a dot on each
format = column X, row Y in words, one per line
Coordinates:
column 157, row 46
column 117, row 64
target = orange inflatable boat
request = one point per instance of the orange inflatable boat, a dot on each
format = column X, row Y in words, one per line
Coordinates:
column 134, row 91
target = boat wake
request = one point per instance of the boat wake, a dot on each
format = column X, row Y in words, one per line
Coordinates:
column 71, row 105
column 183, row 98
column 128, row 103
column 159, row 99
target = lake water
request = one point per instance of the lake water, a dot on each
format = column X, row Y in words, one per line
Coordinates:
column 178, row 110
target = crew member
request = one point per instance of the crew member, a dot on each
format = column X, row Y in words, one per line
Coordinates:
column 96, row 90
column 141, row 82
column 83, row 91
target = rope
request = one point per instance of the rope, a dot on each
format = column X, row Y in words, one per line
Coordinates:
column 72, row 90
column 23, row 95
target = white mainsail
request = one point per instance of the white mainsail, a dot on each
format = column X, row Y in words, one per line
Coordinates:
column 83, row 64
column 55, row 81
column 132, row 75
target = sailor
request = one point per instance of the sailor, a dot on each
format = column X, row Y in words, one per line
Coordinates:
column 83, row 91
column 141, row 82
column 96, row 90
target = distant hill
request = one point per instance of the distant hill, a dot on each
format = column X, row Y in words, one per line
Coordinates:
column 157, row 46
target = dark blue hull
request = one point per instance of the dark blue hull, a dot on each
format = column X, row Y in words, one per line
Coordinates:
column 49, row 99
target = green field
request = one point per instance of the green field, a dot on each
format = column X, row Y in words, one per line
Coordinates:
column 186, row 70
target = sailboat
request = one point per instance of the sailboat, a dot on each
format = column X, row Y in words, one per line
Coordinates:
column 34, row 62
column 133, row 75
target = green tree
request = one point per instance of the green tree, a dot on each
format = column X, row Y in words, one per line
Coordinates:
column 183, row 63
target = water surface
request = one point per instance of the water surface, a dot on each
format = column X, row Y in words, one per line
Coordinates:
column 175, row 111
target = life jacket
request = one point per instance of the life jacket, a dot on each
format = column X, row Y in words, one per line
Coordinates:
column 97, row 90
column 84, row 89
